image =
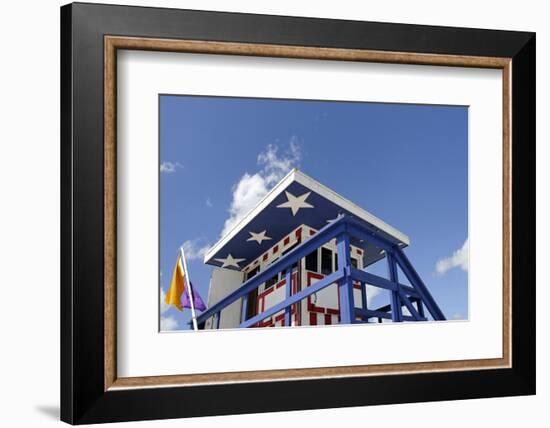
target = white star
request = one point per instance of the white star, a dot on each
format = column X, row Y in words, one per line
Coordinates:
column 258, row 237
column 230, row 261
column 295, row 202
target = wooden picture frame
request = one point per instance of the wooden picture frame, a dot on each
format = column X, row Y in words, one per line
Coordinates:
column 91, row 390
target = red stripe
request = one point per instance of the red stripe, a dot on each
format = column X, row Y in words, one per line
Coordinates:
column 312, row 319
column 318, row 309
column 286, row 241
column 328, row 319
column 312, row 308
column 266, row 292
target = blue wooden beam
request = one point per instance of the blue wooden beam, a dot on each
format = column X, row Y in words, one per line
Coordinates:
column 357, row 230
column 409, row 290
column 410, row 307
column 419, row 285
column 288, row 293
column 314, row 288
column 364, row 304
column 420, row 307
column 397, row 314
column 244, row 308
column 345, row 285
column 370, row 313
column 378, row 281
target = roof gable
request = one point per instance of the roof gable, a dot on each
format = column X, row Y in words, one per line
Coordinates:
column 297, row 199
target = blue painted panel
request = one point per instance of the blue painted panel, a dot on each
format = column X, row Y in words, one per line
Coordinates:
column 279, row 222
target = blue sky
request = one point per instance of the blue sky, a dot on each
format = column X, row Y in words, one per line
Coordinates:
column 406, row 164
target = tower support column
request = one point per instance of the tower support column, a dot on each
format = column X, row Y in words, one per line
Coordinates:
column 345, row 285
column 396, row 311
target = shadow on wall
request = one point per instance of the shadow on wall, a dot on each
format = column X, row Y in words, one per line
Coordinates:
column 52, row 411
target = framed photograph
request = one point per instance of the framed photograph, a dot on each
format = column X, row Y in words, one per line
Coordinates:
column 266, row 213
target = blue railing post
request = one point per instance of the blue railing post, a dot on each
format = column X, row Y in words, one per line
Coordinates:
column 288, row 293
column 218, row 317
column 364, row 298
column 345, row 285
column 397, row 314
column 420, row 307
column 244, row 309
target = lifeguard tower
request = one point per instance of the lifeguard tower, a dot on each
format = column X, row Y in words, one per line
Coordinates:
column 299, row 258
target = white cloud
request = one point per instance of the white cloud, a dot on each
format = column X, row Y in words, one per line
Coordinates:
column 195, row 249
column 168, row 323
column 163, row 306
column 251, row 188
column 459, row 259
column 209, row 203
column 170, row 167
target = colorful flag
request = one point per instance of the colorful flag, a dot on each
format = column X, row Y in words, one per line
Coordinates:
column 177, row 286
column 197, row 300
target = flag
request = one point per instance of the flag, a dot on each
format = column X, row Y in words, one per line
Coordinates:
column 197, row 300
column 177, row 286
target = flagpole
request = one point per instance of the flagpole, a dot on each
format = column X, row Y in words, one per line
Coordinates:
column 188, row 279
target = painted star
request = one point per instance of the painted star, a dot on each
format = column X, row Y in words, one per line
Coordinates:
column 230, row 261
column 295, row 202
column 258, row 237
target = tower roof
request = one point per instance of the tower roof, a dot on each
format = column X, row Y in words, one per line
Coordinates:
column 297, row 199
